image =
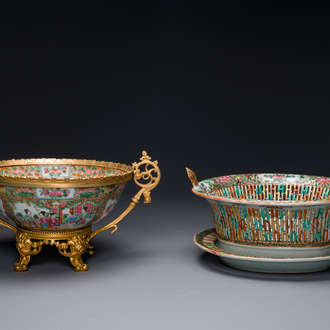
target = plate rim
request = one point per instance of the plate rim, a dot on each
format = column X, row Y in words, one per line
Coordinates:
column 209, row 235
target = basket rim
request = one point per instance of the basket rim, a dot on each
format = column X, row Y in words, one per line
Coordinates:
column 260, row 202
column 289, row 203
column 111, row 178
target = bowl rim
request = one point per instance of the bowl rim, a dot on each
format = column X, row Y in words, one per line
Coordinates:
column 269, row 203
column 108, row 179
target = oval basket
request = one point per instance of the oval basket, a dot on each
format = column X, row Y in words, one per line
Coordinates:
column 281, row 210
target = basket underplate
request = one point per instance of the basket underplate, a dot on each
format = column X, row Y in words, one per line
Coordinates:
column 274, row 251
column 208, row 241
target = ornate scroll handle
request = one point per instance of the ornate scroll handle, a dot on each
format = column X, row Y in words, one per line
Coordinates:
column 192, row 177
column 8, row 225
column 151, row 177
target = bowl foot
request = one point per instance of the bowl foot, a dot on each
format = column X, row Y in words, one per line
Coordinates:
column 22, row 265
column 78, row 264
column 71, row 244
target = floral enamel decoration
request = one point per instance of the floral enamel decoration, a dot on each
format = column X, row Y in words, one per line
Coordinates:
column 269, row 215
column 55, row 192
column 55, row 171
column 56, row 201
column 21, row 171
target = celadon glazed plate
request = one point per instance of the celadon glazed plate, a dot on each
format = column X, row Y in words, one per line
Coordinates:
column 207, row 240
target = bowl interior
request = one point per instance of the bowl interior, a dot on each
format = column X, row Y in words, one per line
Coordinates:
column 267, row 187
column 57, row 171
column 44, row 172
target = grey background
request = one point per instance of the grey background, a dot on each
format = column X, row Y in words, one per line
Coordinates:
column 150, row 275
column 220, row 87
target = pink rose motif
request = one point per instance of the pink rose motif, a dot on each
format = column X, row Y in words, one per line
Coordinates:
column 56, row 192
column 45, row 192
column 23, row 189
column 324, row 180
column 224, row 179
column 62, row 204
column 278, row 177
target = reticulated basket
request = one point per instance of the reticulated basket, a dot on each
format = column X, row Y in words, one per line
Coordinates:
column 269, row 210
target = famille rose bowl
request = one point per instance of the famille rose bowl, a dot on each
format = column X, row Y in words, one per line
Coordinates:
column 57, row 195
column 50, row 200
column 269, row 215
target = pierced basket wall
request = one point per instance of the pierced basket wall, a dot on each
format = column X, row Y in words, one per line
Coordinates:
column 270, row 209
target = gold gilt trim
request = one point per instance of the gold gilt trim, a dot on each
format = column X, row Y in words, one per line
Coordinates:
column 64, row 182
column 58, row 235
column 192, row 177
column 71, row 244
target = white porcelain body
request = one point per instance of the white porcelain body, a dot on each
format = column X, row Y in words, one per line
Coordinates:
column 298, row 265
column 207, row 240
column 274, row 252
